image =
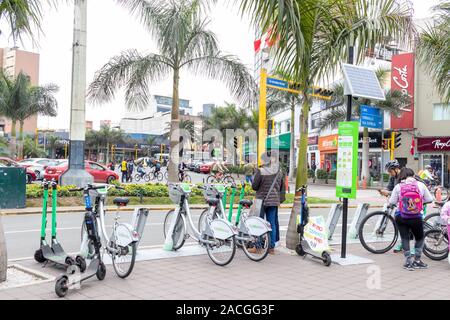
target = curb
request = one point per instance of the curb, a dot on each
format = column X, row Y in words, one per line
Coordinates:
column 67, row 210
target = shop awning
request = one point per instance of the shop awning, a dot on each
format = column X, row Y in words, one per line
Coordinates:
column 281, row 142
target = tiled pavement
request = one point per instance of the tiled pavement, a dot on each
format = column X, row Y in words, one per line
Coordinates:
column 284, row 276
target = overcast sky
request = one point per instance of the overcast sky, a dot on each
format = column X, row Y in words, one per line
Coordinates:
column 112, row 30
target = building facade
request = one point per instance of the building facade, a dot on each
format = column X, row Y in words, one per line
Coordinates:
column 14, row 61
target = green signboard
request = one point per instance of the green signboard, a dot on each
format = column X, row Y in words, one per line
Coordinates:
column 346, row 180
column 281, row 142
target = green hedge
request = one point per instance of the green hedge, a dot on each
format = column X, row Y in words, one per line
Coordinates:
column 311, row 174
column 332, row 175
column 322, row 174
column 35, row 191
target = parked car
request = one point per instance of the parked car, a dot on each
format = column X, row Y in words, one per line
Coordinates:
column 100, row 173
column 206, row 167
column 7, row 162
column 191, row 165
column 197, row 166
column 38, row 165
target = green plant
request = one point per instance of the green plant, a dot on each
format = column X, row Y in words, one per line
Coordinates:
column 322, row 174
column 311, row 174
column 386, row 177
column 332, row 175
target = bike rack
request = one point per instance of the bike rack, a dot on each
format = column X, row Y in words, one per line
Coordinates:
column 360, row 214
column 333, row 218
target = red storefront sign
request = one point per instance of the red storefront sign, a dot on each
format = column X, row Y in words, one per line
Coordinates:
column 434, row 144
column 402, row 79
column 312, row 141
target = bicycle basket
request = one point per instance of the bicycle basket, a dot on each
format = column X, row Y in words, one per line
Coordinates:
column 213, row 191
column 176, row 191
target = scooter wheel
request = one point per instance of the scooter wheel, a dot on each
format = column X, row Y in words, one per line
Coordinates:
column 81, row 263
column 299, row 250
column 326, row 258
column 39, row 256
column 69, row 261
column 61, row 286
column 101, row 271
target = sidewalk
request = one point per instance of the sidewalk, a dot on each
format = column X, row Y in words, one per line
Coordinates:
column 283, row 276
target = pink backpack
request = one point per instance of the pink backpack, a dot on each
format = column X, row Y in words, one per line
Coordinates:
column 411, row 200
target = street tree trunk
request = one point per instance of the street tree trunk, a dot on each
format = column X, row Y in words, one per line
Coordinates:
column 107, row 153
column 3, row 254
column 302, row 174
column 365, row 171
column 20, row 147
column 174, row 130
column 13, row 146
column 292, row 153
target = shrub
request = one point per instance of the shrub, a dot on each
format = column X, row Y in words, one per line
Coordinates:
column 311, row 174
column 322, row 174
column 332, row 175
column 386, row 177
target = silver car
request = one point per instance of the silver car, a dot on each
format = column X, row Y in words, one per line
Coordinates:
column 38, row 165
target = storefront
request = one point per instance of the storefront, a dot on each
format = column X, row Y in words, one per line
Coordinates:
column 375, row 144
column 313, row 152
column 435, row 151
column 328, row 148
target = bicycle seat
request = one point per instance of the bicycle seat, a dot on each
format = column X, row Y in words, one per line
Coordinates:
column 246, row 203
column 213, row 202
column 440, row 203
column 121, row 202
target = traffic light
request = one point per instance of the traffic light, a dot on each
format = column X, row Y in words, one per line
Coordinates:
column 236, row 143
column 386, row 144
column 321, row 93
column 270, row 127
column 296, row 86
column 396, row 140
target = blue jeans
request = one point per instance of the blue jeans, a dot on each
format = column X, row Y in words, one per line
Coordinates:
column 249, row 179
column 272, row 218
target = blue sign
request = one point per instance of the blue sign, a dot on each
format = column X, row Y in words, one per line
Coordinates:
column 277, row 83
column 371, row 117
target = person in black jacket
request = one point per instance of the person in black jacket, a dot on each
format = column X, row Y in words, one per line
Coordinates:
column 262, row 183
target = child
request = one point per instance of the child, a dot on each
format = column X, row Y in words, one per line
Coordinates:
column 410, row 196
column 445, row 213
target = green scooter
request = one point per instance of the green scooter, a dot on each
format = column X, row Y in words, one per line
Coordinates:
column 54, row 253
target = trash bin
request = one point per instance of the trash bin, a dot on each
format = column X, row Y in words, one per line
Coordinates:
column 12, row 188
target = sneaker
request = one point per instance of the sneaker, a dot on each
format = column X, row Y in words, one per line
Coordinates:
column 408, row 266
column 251, row 250
column 418, row 264
column 398, row 248
column 272, row 251
column 413, row 251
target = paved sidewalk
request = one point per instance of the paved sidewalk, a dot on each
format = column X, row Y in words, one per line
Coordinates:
column 284, row 276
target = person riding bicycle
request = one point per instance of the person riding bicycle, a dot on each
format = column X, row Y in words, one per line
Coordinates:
column 410, row 196
column 427, row 175
column 219, row 169
column 393, row 169
column 140, row 169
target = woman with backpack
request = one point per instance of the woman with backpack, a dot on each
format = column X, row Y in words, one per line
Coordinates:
column 410, row 195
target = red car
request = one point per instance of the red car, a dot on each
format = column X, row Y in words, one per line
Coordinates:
column 206, row 167
column 7, row 162
column 100, row 173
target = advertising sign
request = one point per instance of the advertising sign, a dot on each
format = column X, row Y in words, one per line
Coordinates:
column 316, row 234
column 436, row 144
column 402, row 79
column 347, row 161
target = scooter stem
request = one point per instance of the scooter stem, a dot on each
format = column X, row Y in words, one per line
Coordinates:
column 54, row 205
column 44, row 210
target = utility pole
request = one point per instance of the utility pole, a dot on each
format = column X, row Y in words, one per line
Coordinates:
column 77, row 175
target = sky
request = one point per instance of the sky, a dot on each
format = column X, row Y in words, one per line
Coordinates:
column 111, row 30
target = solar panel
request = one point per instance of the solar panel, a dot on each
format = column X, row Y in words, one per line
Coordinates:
column 362, row 82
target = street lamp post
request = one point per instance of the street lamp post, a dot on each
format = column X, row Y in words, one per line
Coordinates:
column 77, row 175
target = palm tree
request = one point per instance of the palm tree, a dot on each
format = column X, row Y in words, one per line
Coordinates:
column 184, row 43
column 280, row 101
column 52, row 140
column 108, row 136
column 314, row 37
column 434, row 49
column 395, row 101
column 4, row 148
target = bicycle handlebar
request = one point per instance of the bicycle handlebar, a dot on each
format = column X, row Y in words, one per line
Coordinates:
column 91, row 187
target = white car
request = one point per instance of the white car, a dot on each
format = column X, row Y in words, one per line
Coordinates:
column 38, row 165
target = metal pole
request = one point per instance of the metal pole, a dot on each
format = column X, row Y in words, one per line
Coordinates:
column 345, row 200
column 382, row 156
column 77, row 175
column 262, row 126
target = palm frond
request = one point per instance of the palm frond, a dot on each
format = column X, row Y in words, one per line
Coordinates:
column 332, row 118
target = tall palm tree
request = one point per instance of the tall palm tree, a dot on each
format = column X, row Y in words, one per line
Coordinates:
column 434, row 49
column 395, row 101
column 184, row 43
column 4, row 152
column 52, row 140
column 314, row 36
column 107, row 136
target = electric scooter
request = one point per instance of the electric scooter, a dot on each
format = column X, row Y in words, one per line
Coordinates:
column 307, row 247
column 54, row 253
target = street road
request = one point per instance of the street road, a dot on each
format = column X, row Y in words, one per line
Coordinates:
column 23, row 232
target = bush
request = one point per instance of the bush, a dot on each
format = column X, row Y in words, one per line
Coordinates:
column 332, row 175
column 311, row 174
column 322, row 174
column 35, row 191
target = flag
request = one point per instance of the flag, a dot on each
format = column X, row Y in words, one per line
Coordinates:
column 413, row 146
column 257, row 45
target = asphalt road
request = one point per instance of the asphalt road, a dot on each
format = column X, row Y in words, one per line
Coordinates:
column 23, row 232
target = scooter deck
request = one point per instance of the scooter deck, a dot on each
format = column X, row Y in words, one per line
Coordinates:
column 50, row 255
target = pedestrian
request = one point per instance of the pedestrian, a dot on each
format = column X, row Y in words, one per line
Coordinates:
column 249, row 171
column 410, row 196
column 124, row 170
column 269, row 187
column 130, row 169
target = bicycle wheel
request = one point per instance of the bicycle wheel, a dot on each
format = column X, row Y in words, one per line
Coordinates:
column 187, row 178
column 436, row 244
column 211, row 179
column 228, row 179
column 179, row 232
column 147, row 177
column 166, row 175
column 137, row 177
column 202, row 220
column 123, row 261
column 444, row 193
column 378, row 232
column 432, row 221
column 258, row 248
column 159, row 176
column 222, row 251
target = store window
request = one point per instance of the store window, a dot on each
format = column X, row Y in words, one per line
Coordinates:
column 315, row 120
column 441, row 111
